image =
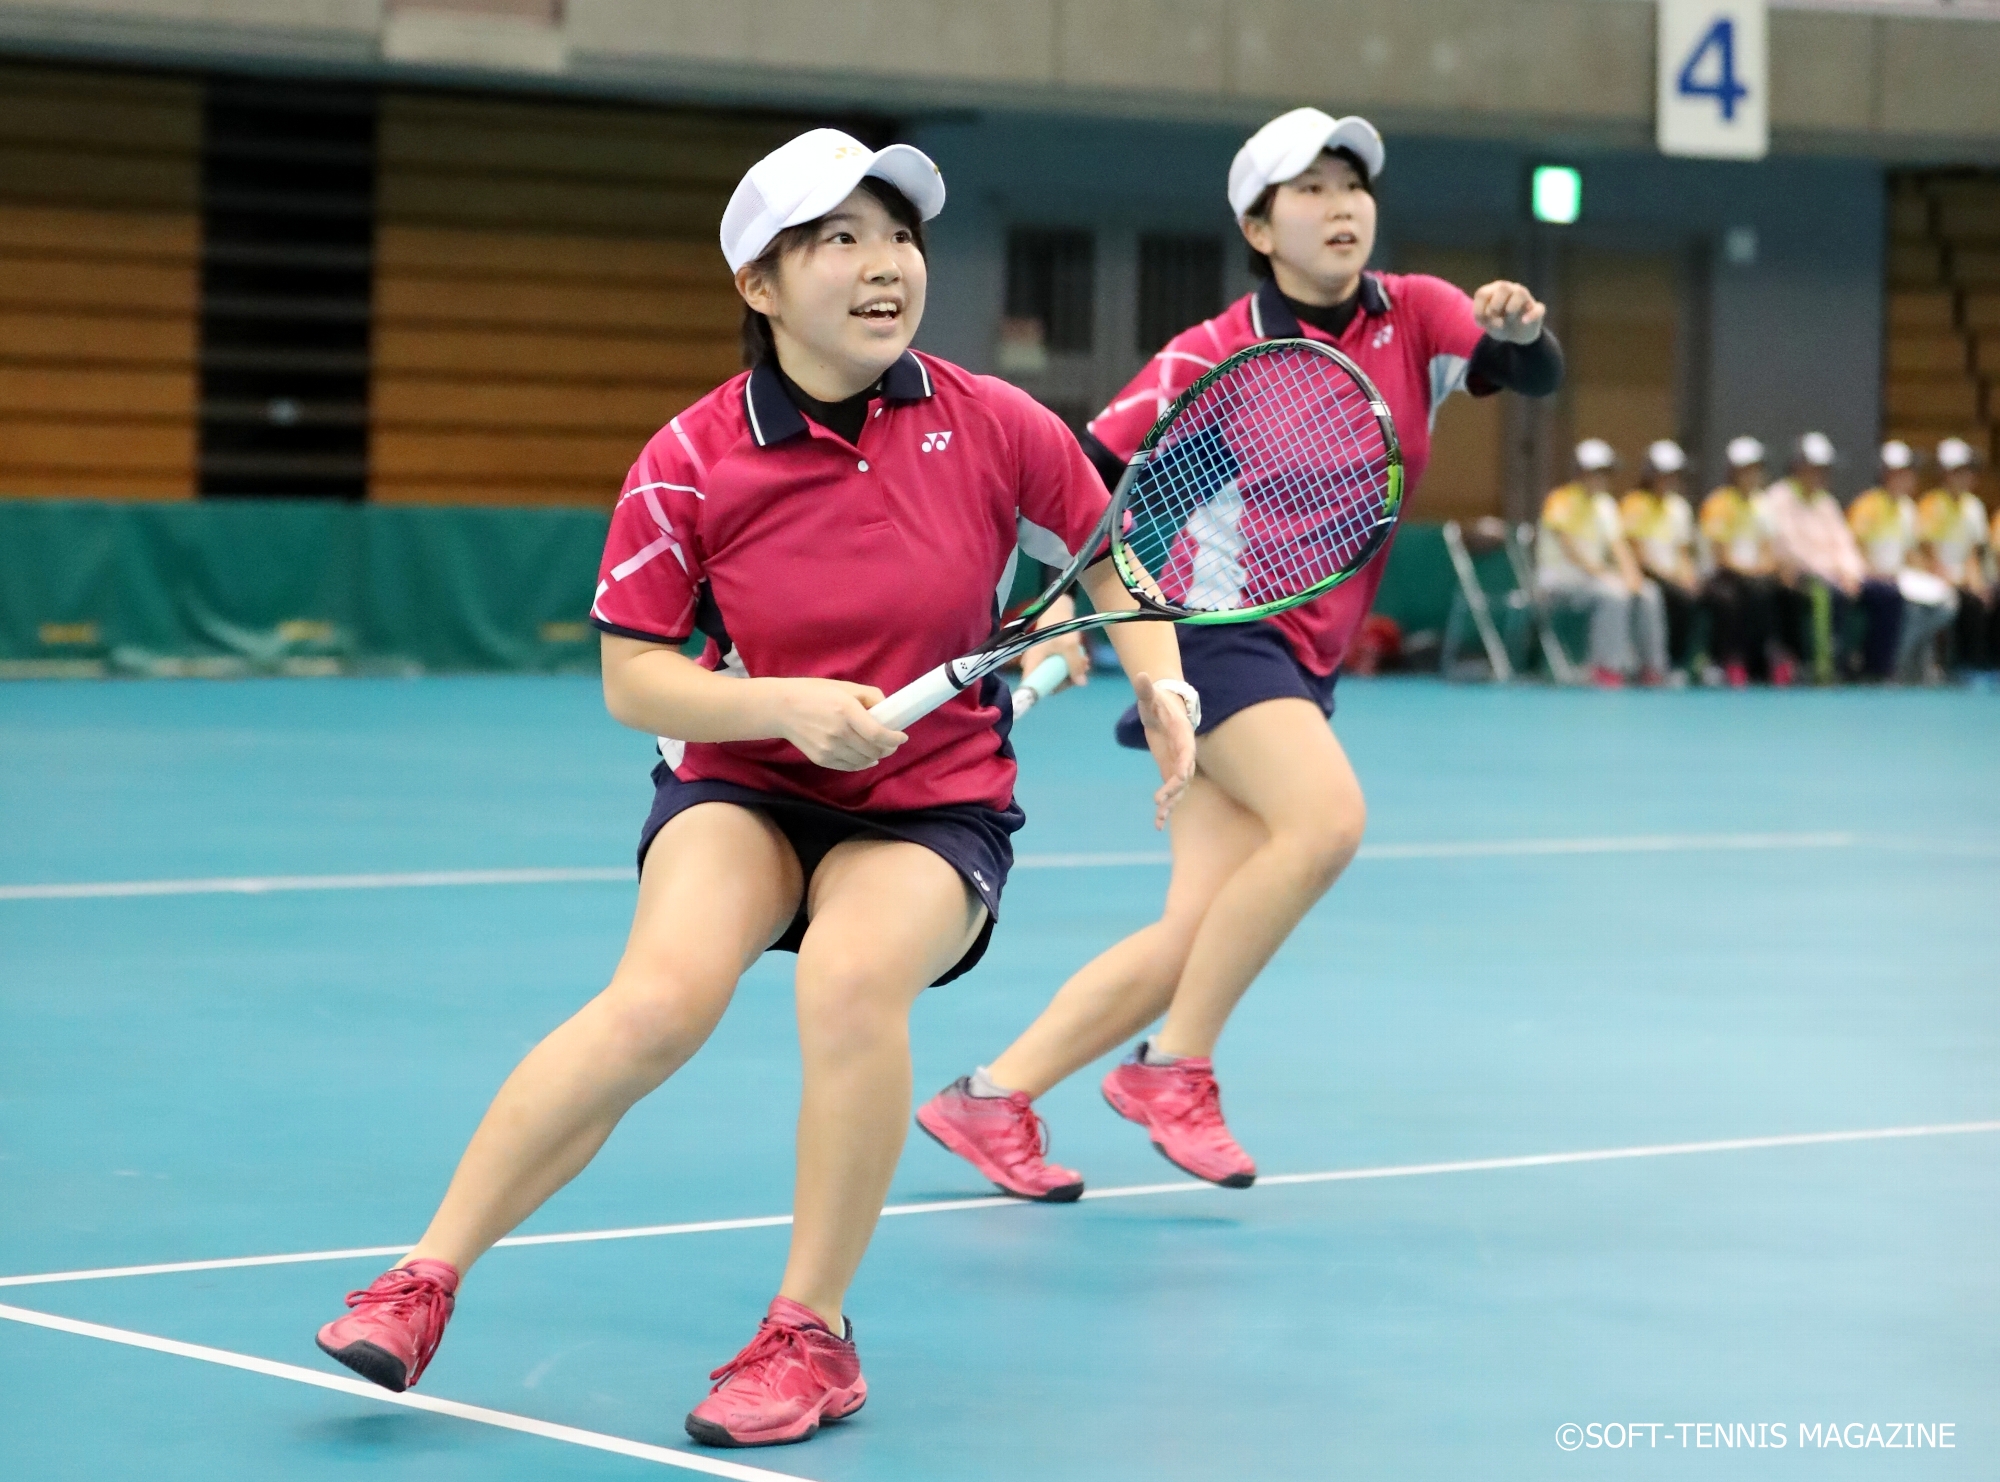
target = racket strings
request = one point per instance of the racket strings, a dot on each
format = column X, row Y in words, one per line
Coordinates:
column 1269, row 483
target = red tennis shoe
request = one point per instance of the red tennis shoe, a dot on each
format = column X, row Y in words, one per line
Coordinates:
column 395, row 1324
column 1003, row 1138
column 1181, row 1106
column 793, row 1376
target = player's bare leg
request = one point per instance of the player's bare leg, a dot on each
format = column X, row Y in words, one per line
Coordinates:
column 720, row 885
column 1129, row 985
column 1280, row 762
column 888, row 919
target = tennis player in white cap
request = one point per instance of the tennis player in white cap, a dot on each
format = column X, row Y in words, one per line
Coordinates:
column 1275, row 811
column 834, row 519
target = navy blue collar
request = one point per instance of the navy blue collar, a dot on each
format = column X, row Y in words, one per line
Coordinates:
column 1272, row 318
column 774, row 419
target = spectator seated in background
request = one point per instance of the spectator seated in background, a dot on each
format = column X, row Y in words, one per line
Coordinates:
column 1823, row 574
column 1742, row 590
column 1955, row 545
column 1884, row 522
column 1582, row 561
column 1659, row 526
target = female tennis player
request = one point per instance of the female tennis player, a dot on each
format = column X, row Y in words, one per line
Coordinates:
column 1274, row 813
column 835, row 521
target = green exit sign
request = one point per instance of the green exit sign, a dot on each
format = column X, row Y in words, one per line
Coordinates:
column 1558, row 194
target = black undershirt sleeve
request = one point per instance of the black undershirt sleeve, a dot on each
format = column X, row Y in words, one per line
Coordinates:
column 1110, row 467
column 1532, row 370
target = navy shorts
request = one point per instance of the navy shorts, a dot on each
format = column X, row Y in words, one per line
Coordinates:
column 974, row 840
column 1235, row 666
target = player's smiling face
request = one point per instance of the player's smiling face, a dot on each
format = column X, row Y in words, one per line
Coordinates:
column 847, row 304
column 1319, row 233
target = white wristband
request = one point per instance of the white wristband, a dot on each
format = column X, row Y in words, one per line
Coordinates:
column 1189, row 696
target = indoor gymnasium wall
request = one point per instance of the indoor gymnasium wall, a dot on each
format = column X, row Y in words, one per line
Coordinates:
column 548, row 291
column 100, row 242
column 1620, row 318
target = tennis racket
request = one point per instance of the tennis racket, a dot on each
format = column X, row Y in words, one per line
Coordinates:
column 1047, row 678
column 1272, row 479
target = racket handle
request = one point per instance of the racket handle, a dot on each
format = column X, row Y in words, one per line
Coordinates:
column 917, row 699
column 1045, row 681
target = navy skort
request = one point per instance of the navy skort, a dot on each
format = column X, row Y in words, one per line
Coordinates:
column 1235, row 666
column 974, row 840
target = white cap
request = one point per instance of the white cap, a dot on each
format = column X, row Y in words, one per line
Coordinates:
column 803, row 180
column 1955, row 453
column 1285, row 146
column 1665, row 456
column 1815, row 448
column 1896, row 454
column 1594, row 455
column 1744, row 451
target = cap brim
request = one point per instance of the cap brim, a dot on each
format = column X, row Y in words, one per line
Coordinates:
column 1347, row 133
column 907, row 168
column 911, row 171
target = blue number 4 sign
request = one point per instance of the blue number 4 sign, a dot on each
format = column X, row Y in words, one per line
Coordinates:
column 1719, row 41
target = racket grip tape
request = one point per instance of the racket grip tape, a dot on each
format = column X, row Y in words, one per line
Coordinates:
column 918, row 698
column 1047, row 678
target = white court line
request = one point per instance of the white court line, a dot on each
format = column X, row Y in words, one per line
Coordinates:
column 1130, row 1191
column 1466, row 849
column 270, row 884
column 548, row 1430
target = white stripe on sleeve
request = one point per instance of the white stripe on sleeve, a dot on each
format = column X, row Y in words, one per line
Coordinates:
column 1041, row 544
column 1447, row 376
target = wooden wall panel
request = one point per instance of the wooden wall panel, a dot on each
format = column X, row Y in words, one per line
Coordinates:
column 1939, row 380
column 99, row 283
column 1619, row 320
column 548, row 292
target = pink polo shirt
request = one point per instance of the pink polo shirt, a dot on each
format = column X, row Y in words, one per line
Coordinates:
column 800, row 555
column 1414, row 336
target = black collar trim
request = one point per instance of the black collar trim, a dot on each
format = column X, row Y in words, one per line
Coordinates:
column 774, row 419
column 1272, row 318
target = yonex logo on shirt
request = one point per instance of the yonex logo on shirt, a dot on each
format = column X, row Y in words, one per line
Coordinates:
column 1383, row 335
column 934, row 442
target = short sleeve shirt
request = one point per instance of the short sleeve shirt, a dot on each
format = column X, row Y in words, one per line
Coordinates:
column 1735, row 529
column 1590, row 522
column 1885, row 527
column 1414, row 335
column 1953, row 526
column 801, row 555
column 1661, row 527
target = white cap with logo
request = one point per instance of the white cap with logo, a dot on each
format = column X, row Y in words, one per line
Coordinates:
column 803, row 180
column 1744, row 452
column 1288, row 143
column 1594, row 455
column 1665, row 456
column 1955, row 453
column 1897, row 454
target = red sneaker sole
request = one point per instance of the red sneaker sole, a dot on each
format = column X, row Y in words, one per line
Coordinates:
column 710, row 1434
column 377, row 1366
column 1061, row 1194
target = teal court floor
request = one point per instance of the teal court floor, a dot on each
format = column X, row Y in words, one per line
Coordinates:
column 1643, row 1075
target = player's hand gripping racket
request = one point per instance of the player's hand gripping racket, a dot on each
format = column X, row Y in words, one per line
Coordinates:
column 1272, row 479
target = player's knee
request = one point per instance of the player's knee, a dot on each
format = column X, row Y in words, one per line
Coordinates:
column 1325, row 840
column 658, row 1012
column 845, row 1004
